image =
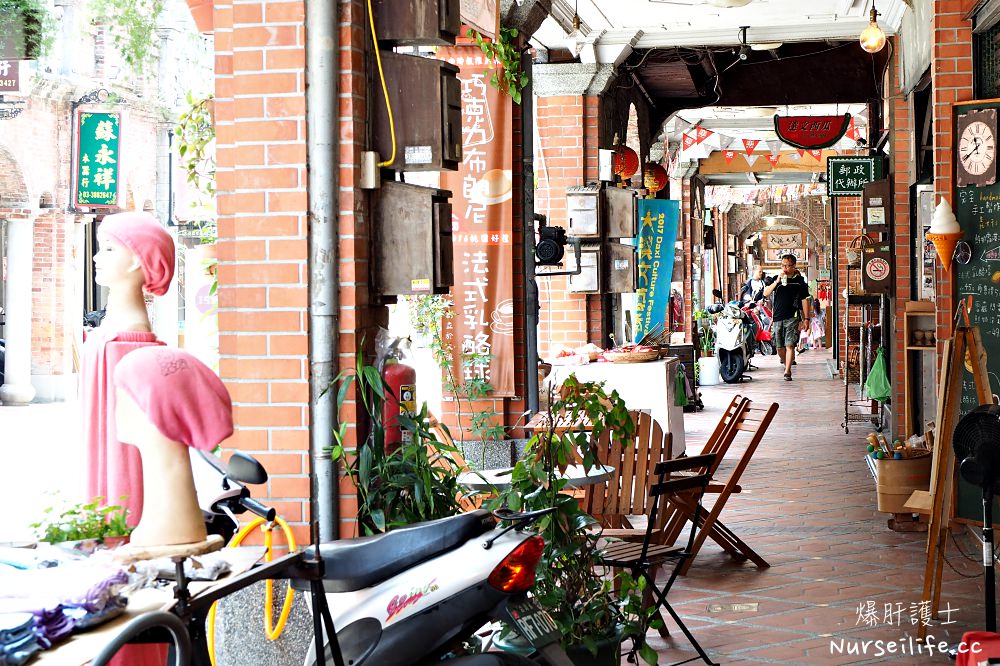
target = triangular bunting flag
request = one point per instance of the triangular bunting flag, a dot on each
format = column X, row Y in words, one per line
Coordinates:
column 818, row 154
column 774, row 146
column 751, row 158
column 795, row 157
column 773, row 159
column 701, row 134
column 801, row 153
column 688, row 141
column 853, row 132
column 749, row 145
column 729, row 155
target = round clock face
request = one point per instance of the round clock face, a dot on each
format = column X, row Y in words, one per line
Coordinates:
column 977, row 148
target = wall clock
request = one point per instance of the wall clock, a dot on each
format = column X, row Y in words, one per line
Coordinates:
column 976, row 148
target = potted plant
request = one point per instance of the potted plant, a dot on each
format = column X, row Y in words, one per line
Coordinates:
column 85, row 526
column 571, row 585
column 413, row 482
column 708, row 364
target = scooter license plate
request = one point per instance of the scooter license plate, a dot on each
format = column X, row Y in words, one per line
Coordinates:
column 532, row 621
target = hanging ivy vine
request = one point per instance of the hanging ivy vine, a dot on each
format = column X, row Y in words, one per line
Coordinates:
column 132, row 27
column 194, row 134
column 27, row 29
column 510, row 79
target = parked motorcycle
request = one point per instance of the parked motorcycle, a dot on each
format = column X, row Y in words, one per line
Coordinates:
column 735, row 341
column 761, row 315
column 415, row 594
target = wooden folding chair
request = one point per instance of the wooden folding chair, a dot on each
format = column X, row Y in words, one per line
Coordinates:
column 755, row 421
column 718, row 444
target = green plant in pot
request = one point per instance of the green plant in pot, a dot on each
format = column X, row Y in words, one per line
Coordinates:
column 571, row 583
column 87, row 521
column 413, row 482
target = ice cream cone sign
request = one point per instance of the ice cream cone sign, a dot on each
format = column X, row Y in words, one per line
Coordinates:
column 944, row 233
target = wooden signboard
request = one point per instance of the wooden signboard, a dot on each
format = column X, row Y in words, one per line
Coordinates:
column 876, row 274
column 847, row 176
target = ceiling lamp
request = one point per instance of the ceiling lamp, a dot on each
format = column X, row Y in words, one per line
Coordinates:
column 872, row 38
column 728, row 4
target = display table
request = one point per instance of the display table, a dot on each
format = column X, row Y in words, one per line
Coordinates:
column 575, row 475
column 81, row 647
column 643, row 386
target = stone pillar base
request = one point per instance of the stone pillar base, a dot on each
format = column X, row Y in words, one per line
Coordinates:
column 17, row 394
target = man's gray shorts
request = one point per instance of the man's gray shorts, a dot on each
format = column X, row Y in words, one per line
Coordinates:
column 785, row 333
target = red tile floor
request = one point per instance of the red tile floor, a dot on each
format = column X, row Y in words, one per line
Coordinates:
column 808, row 507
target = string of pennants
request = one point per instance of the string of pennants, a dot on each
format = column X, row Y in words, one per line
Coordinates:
column 699, row 143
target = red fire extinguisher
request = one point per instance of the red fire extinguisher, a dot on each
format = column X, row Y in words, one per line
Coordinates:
column 400, row 398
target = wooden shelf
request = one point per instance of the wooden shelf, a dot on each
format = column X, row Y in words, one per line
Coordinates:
column 921, row 347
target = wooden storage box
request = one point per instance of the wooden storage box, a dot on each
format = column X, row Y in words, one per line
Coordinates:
column 897, row 479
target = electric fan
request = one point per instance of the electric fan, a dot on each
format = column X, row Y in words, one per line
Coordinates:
column 977, row 446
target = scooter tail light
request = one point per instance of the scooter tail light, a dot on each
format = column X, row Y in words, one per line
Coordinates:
column 516, row 573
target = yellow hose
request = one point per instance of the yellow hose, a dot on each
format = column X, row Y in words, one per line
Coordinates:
column 385, row 91
column 272, row 631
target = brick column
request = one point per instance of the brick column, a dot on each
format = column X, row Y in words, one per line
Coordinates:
column 952, row 80
column 900, row 113
column 848, row 228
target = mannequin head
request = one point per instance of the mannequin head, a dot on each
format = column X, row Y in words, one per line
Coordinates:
column 150, row 246
column 167, row 400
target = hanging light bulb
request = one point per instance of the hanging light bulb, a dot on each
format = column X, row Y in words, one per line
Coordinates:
column 574, row 40
column 872, row 38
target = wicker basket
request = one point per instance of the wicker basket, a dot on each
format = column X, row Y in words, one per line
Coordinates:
column 632, row 357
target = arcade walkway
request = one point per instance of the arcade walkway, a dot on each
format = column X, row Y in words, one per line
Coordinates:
column 808, row 507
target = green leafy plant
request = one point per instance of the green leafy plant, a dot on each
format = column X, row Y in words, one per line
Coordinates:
column 27, row 29
column 427, row 315
column 132, row 26
column 503, row 50
column 413, row 482
column 90, row 520
column 570, row 582
column 706, row 334
column 195, row 135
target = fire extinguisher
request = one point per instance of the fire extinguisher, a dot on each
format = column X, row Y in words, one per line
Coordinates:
column 400, row 398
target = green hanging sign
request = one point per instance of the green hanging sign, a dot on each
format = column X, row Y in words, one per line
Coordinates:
column 98, row 159
column 847, row 176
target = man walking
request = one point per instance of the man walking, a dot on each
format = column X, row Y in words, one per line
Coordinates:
column 791, row 311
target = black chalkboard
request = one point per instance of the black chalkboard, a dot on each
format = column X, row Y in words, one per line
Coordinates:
column 978, row 213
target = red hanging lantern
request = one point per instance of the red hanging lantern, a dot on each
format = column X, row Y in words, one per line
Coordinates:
column 654, row 177
column 624, row 162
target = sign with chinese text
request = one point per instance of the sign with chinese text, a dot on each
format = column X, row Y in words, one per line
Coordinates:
column 847, row 176
column 96, row 168
column 482, row 226
column 10, row 76
column 811, row 132
column 658, row 221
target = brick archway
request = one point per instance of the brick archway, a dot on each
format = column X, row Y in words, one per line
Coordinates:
column 13, row 188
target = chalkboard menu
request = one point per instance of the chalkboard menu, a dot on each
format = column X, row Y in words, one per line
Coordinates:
column 978, row 212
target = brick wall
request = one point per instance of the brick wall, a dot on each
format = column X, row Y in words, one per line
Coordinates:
column 849, row 228
column 566, row 155
column 261, row 153
column 952, row 81
column 50, row 341
column 900, row 114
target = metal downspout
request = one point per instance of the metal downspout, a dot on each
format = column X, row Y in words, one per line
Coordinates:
column 322, row 66
column 530, row 284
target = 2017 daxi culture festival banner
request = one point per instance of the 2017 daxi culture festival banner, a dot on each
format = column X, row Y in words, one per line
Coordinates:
column 658, row 219
column 481, row 227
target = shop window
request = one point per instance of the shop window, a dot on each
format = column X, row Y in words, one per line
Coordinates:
column 987, row 55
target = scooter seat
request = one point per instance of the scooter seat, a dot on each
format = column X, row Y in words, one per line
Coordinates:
column 354, row 564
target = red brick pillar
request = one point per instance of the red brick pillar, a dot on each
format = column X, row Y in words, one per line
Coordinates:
column 848, row 228
column 900, row 113
column 952, row 81
column 565, row 156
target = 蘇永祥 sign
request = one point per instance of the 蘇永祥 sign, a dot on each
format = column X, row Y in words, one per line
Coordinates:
column 97, row 163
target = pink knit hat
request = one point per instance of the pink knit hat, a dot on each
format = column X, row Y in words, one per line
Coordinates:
column 182, row 397
column 143, row 235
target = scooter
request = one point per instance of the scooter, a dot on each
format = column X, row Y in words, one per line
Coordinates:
column 416, row 594
column 760, row 313
column 735, row 339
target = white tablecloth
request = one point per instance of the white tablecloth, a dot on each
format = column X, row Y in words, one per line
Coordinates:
column 643, row 386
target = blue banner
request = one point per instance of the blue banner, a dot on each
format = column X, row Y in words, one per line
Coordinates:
column 658, row 221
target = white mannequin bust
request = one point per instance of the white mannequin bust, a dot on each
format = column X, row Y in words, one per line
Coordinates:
column 119, row 269
column 170, row 515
